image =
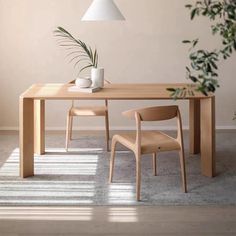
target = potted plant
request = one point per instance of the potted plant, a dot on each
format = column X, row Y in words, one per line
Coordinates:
column 83, row 56
column 203, row 63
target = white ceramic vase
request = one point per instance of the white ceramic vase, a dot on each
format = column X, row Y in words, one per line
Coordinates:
column 85, row 82
column 97, row 76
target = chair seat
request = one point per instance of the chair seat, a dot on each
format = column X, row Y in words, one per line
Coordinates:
column 88, row 111
column 151, row 141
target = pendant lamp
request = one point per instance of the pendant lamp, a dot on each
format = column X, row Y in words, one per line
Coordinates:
column 103, row 10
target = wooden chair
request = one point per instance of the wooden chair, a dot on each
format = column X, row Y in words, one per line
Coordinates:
column 153, row 142
column 87, row 111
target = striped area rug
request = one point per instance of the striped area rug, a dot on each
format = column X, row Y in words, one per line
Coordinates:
column 80, row 177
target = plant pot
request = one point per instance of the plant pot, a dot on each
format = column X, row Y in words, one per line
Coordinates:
column 97, row 76
column 85, row 82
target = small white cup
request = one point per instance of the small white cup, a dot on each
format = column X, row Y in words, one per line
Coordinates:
column 85, row 82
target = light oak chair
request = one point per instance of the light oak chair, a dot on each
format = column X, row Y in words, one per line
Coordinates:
column 87, row 111
column 153, row 142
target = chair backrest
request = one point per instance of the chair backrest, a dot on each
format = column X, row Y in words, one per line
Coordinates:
column 158, row 113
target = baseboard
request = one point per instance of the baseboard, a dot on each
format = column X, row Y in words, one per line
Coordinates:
column 117, row 128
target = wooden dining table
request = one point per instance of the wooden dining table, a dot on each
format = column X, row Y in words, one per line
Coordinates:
column 32, row 117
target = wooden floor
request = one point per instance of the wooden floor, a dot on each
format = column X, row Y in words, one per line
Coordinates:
column 167, row 221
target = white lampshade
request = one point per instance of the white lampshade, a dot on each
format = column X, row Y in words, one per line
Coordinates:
column 102, row 10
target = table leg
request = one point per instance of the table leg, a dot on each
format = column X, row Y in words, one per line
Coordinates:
column 26, row 122
column 39, row 127
column 194, row 126
column 208, row 136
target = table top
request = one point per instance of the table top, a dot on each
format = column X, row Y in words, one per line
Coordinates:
column 130, row 91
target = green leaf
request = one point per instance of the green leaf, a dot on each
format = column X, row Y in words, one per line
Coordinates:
column 186, row 41
column 80, row 60
column 193, row 13
column 84, row 53
column 171, row 89
column 193, row 78
column 188, row 6
column 195, row 42
column 214, row 65
column 85, row 67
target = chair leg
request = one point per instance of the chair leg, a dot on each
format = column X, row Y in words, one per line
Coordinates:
column 183, row 171
column 68, row 125
column 112, row 160
column 107, row 131
column 71, row 125
column 138, row 177
column 154, row 163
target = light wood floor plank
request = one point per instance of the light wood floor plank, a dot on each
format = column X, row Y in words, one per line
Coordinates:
column 173, row 221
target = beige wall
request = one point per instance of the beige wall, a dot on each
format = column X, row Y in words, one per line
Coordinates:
column 145, row 48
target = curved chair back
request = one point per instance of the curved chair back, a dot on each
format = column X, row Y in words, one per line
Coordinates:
column 158, row 113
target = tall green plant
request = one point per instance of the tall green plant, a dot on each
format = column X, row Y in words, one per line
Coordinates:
column 79, row 53
column 203, row 63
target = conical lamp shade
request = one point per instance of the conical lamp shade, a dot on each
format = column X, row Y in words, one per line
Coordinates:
column 102, row 10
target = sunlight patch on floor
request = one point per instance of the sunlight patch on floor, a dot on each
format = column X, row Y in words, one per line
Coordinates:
column 73, row 150
column 121, row 193
column 111, row 214
column 52, row 163
column 125, row 214
column 59, row 179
